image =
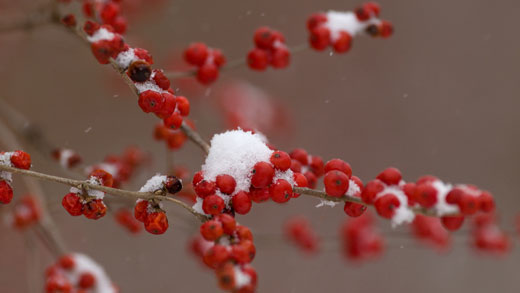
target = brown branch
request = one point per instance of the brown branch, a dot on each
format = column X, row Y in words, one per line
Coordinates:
column 84, row 185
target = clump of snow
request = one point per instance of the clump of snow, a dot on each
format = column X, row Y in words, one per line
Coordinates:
column 328, row 203
column 353, row 188
column 148, row 85
column 346, row 21
column 285, row 175
column 5, row 160
column 84, row 264
column 442, row 207
column 403, row 214
column 241, row 279
column 101, row 34
column 124, row 59
column 65, row 155
column 153, row 184
column 235, row 153
column 198, row 206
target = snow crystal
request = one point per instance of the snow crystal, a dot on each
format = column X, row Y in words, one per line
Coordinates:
column 85, row 264
column 198, row 206
column 153, row 184
column 101, row 34
column 6, row 176
column 328, row 203
column 148, row 85
column 124, row 59
column 5, row 159
column 285, row 175
column 241, row 279
column 235, row 153
column 346, row 21
column 353, row 188
column 442, row 207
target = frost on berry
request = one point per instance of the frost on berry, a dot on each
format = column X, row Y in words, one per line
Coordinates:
column 337, row 29
column 75, row 273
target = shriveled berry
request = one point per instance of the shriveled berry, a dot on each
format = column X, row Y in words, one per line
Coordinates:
column 72, row 204
column 141, row 210
column 94, row 209
column 156, row 223
column 173, row 184
column 139, row 71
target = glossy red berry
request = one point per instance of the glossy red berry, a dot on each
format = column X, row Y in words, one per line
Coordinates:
column 281, row 160
column 207, row 73
column 320, row 38
column 86, row 280
column 340, row 165
column 104, row 178
column 259, row 195
column 342, row 43
column 156, row 223
column 371, row 190
column 229, row 223
column 151, row 101
column 241, row 203
column 6, row 192
column 281, row 57
column 21, row 160
column 390, row 176
column 174, row 121
column 205, row 188
column 216, row 256
column 426, row 195
column 264, row 38
column 72, row 204
column 386, row 29
column 315, row 20
column 487, row 203
column 468, row 204
column 317, row 166
column 196, row 54
column 300, row 155
column 226, row 183
column 183, row 105
column 301, row 181
column 281, row 191
column 386, row 205
column 263, row 174
column 197, row 177
column 243, row 233
column 213, row 204
column 243, row 252
column 452, row 223
column 336, row 183
column 161, row 80
column 211, row 230
column 141, row 210
column 296, row 166
column 257, row 59
column 94, row 209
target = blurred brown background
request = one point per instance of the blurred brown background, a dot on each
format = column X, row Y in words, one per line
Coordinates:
column 440, row 97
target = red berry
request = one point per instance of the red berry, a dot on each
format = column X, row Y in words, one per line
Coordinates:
column 281, row 57
column 141, row 210
column 197, row 177
column 151, row 101
column 263, row 174
column 95, row 209
column 72, row 204
column 216, row 256
column 426, row 179
column 67, row 262
column 125, row 219
column 373, row 8
column 342, row 43
column 300, row 155
column 205, row 188
column 244, row 233
column 336, row 183
column 371, row 190
column 362, row 13
column 143, row 54
column 211, row 230
column 168, row 106
column 90, row 27
column 315, row 20
column 320, row 38
column 243, row 252
column 340, row 165
column 161, row 80
column 21, row 160
column 409, row 191
column 454, row 196
column 487, row 203
column 207, row 73
column 452, row 223
column 174, row 121
column 386, row 29
column 120, row 25
column 468, row 204
column 390, row 176
column 281, row 191
column 259, row 195
column 6, row 192
column 213, row 204
column 103, row 177
column 281, row 160
column 257, row 59
column 226, row 183
column 241, row 203
column 317, row 166
column 264, row 38
column 426, row 195
column 296, row 166
column 196, row 54
column 109, row 12
column 301, row 181
column 156, row 223
column 69, row 20
column 386, row 205
column 86, row 280
column 218, row 57
column 229, row 223
column 354, row 209
column 312, row 180
column 183, row 105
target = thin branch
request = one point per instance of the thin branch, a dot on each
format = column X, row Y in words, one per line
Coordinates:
column 195, row 137
column 84, row 185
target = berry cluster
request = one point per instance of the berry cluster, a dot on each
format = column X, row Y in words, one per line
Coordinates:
column 67, row 158
column 270, row 50
column 88, row 202
column 107, row 12
column 153, row 87
column 228, row 248
column 77, row 273
column 121, row 167
column 125, row 218
column 26, row 212
column 310, row 166
column 240, row 169
column 299, row 231
column 337, row 29
column 208, row 61
column 17, row 159
column 150, row 212
column 361, row 239
column 174, row 138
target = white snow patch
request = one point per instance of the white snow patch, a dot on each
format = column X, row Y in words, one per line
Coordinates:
column 84, row 264
column 124, row 59
column 101, row 34
column 403, row 214
column 241, row 279
column 65, row 155
column 198, row 206
column 442, row 207
column 328, row 203
column 346, row 21
column 153, row 184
